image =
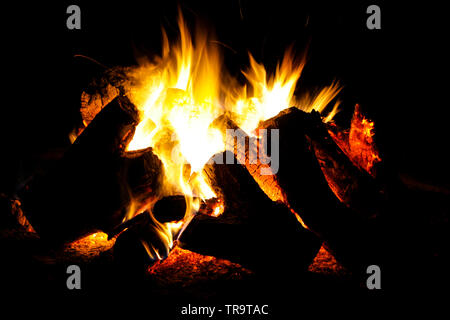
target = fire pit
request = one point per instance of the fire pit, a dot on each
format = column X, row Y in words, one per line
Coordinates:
column 185, row 180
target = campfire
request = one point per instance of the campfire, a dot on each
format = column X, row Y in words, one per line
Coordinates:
column 178, row 168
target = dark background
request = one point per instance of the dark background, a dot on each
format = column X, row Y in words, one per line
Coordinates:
column 398, row 74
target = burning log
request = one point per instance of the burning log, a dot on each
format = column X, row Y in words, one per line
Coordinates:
column 141, row 244
column 89, row 189
column 253, row 230
column 352, row 236
column 358, row 142
column 362, row 146
column 100, row 91
column 11, row 214
column 241, row 149
column 317, row 181
column 144, row 174
column 169, row 209
column 351, row 184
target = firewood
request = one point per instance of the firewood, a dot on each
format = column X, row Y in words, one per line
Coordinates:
column 170, row 208
column 353, row 186
column 12, row 216
column 306, row 153
column 268, row 183
column 253, row 230
column 173, row 208
column 140, row 245
column 104, row 85
column 144, row 174
column 358, row 142
column 88, row 189
column 137, row 219
column 361, row 142
column 333, row 197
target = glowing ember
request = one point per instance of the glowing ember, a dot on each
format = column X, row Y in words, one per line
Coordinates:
column 91, row 245
column 218, row 209
column 358, row 142
column 184, row 267
column 325, row 263
column 98, row 239
column 361, row 142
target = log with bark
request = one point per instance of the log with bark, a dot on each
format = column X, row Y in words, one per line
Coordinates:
column 358, row 142
column 351, row 184
column 253, row 230
column 306, row 153
column 92, row 186
column 334, row 198
column 103, row 86
column 170, row 208
column 144, row 173
column 140, row 244
column 173, row 208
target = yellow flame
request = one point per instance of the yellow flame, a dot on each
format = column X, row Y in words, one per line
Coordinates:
column 177, row 99
column 218, row 209
column 320, row 100
column 270, row 94
column 166, row 232
column 181, row 93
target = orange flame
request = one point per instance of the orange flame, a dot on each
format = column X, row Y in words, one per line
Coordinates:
column 182, row 92
column 363, row 150
column 218, row 209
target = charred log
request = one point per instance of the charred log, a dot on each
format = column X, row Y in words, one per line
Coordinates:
column 241, row 144
column 88, row 190
column 12, row 216
column 173, row 208
column 140, row 245
column 253, row 230
column 306, row 152
column 353, row 186
column 103, row 87
column 144, row 173
column 358, row 142
column 334, row 198
column 169, row 209
column 136, row 220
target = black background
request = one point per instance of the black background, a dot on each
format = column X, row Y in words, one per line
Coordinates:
column 397, row 74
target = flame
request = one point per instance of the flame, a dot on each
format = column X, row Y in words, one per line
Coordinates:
column 177, row 99
column 270, row 94
column 180, row 93
column 218, row 209
column 167, row 233
column 372, row 157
